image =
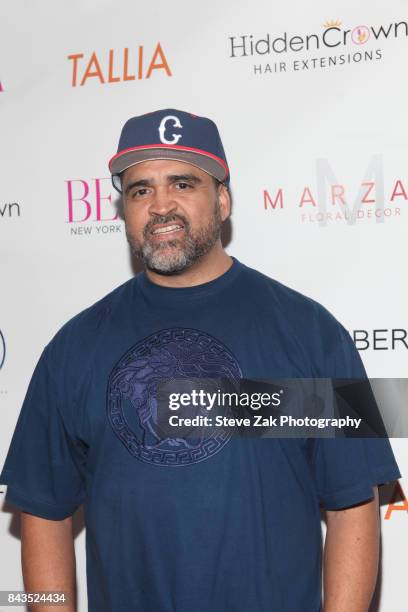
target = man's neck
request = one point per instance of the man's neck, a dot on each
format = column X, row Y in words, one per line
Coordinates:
column 209, row 267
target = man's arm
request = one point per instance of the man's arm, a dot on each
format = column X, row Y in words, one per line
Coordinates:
column 48, row 558
column 351, row 556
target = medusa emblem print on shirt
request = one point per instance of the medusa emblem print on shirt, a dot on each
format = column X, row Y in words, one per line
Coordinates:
column 132, row 404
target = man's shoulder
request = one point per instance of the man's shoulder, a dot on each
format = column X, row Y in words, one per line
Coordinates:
column 84, row 326
column 290, row 303
column 307, row 326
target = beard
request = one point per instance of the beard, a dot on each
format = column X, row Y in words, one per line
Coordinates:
column 173, row 256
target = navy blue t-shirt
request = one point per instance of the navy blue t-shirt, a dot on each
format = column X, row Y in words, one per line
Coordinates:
column 224, row 525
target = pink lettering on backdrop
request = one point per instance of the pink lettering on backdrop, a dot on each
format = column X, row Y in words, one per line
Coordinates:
column 99, row 198
column 72, row 199
column 86, row 199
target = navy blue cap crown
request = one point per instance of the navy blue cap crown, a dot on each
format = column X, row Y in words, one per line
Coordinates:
column 170, row 134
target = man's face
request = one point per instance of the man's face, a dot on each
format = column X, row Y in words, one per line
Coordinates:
column 173, row 213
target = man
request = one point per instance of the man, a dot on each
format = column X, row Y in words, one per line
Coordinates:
column 218, row 523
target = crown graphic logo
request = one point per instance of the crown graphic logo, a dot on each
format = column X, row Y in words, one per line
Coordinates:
column 361, row 35
column 332, row 24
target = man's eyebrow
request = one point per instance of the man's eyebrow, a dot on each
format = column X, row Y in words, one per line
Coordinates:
column 174, row 178
column 171, row 178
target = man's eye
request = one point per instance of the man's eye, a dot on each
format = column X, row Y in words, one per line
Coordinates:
column 182, row 186
column 139, row 192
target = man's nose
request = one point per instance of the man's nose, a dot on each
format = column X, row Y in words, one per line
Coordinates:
column 163, row 202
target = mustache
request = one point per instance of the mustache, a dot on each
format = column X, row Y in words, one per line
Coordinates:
column 160, row 219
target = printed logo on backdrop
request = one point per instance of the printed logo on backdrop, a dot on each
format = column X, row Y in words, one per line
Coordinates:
column 10, row 210
column 326, row 199
column 381, row 339
column 397, row 503
column 331, row 46
column 2, row 349
column 1, row 87
column 118, row 65
column 3, row 391
column 90, row 209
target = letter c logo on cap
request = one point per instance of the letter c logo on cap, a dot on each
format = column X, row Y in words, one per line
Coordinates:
column 162, row 129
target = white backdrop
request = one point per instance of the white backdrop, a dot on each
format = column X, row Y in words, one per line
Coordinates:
column 313, row 120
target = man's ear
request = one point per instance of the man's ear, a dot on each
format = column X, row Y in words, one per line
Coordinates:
column 225, row 201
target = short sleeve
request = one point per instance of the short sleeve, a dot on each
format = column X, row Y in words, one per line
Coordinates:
column 345, row 470
column 42, row 473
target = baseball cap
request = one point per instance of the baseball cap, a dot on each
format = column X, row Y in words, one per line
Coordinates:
column 170, row 134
